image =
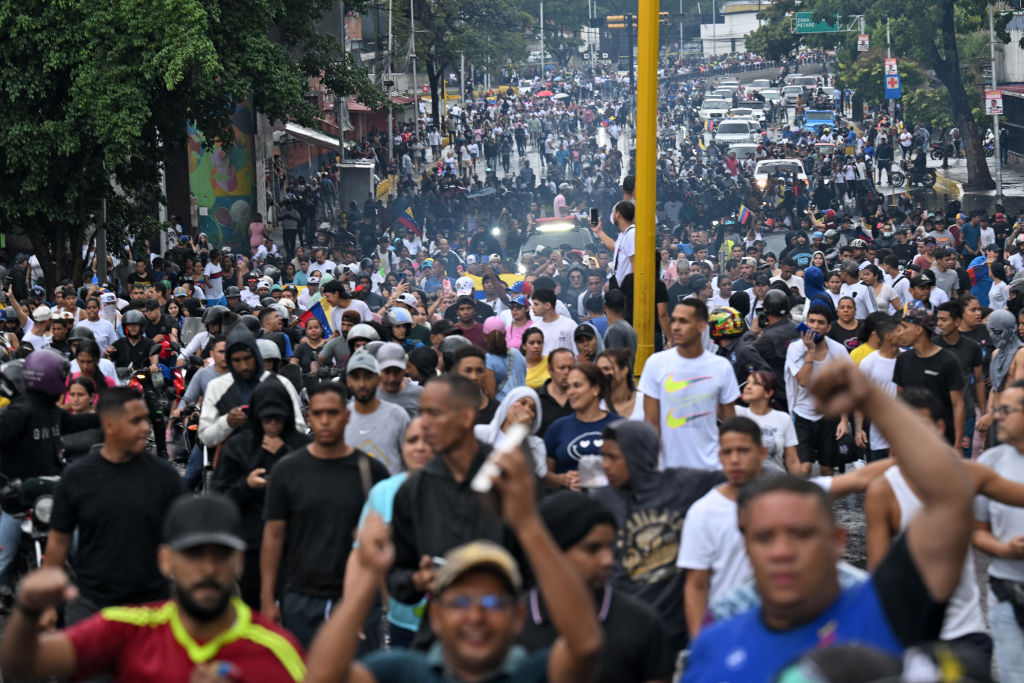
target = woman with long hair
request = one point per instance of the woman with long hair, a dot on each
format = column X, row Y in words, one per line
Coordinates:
column 308, row 350
column 623, row 398
column 80, row 396
column 577, row 435
column 777, row 431
column 886, row 298
column 507, row 364
column 536, row 362
column 88, row 359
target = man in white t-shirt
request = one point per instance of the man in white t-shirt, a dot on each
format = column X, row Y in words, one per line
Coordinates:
column 558, row 330
column 863, row 297
column 712, row 548
column 213, row 280
column 624, row 246
column 340, row 300
column 686, row 389
column 819, row 435
column 879, row 366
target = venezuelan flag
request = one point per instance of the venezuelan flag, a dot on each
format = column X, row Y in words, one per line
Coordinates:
column 700, row 143
column 709, row 126
column 317, row 311
column 744, row 214
column 406, row 220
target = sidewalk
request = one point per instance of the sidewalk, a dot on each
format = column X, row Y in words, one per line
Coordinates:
column 956, row 177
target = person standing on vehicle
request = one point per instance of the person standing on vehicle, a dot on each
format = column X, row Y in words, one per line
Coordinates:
column 245, row 466
column 116, row 498
column 314, row 499
column 30, row 439
column 201, row 558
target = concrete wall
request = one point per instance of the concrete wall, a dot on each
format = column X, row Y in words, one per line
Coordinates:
column 730, row 36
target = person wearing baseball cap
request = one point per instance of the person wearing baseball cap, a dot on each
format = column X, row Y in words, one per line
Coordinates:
column 394, row 387
column 201, row 557
column 475, row 611
column 375, row 427
column 932, row 368
column 921, row 290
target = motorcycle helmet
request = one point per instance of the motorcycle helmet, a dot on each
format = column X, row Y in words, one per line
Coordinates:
column 167, row 350
column 726, row 322
column 399, row 316
column 250, row 322
column 214, row 315
column 81, row 333
column 133, row 317
column 268, row 349
column 46, row 371
column 11, row 381
column 230, row 292
column 858, row 243
column 362, row 331
column 776, row 303
column 273, row 272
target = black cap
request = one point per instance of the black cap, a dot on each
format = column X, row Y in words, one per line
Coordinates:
column 584, row 331
column 203, row 520
column 921, row 280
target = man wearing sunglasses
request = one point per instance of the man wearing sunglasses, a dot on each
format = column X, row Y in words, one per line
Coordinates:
column 475, row 610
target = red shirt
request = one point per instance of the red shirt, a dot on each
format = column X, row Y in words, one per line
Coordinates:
column 149, row 643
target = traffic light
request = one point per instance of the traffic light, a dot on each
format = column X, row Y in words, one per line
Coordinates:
column 618, row 21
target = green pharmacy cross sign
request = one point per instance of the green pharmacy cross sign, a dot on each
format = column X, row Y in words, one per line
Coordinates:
column 805, row 24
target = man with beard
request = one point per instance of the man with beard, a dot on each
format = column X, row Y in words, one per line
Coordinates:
column 115, row 498
column 375, row 426
column 201, row 557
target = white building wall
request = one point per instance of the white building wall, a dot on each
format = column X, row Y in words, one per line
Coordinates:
column 730, row 36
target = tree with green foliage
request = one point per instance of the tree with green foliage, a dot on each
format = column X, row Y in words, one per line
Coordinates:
column 97, row 92
column 485, row 31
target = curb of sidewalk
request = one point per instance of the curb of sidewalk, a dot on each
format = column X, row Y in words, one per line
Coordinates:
column 948, row 186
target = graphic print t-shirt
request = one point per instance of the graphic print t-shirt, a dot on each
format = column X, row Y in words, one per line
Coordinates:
column 689, row 391
column 569, row 438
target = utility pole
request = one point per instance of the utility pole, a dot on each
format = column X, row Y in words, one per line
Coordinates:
column 995, row 117
column 714, row 28
column 542, row 41
column 680, row 29
column 412, row 54
column 646, row 127
column 389, row 82
column 630, row 18
column 888, row 54
column 462, row 79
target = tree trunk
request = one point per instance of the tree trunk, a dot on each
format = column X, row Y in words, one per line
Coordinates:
column 948, row 71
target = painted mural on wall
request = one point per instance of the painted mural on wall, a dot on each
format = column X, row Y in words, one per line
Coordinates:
column 222, row 182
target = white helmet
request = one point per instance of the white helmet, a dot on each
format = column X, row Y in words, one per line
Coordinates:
column 268, row 349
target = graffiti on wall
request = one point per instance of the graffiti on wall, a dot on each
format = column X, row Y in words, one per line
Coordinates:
column 221, row 182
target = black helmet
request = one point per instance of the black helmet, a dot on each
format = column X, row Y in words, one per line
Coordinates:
column 776, row 303
column 267, row 301
column 250, row 322
column 214, row 315
column 81, row 333
column 133, row 317
column 273, row 272
column 231, row 291
column 11, row 382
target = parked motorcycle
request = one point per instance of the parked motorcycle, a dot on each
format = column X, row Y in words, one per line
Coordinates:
column 35, row 497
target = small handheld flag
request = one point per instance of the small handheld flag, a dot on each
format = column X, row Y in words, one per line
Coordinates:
column 703, row 146
column 744, row 214
column 406, row 220
column 317, row 311
column 709, row 126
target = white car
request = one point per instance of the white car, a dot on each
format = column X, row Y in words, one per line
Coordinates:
column 759, row 84
column 713, row 109
column 791, row 92
column 743, row 149
column 768, row 167
column 730, row 132
column 771, row 95
column 757, row 107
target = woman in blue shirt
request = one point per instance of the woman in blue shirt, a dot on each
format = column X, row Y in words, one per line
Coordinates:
column 571, row 437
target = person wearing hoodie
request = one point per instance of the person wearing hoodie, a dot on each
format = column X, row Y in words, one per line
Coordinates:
column 244, row 467
column 649, row 508
column 228, row 396
column 814, row 288
column 520, row 406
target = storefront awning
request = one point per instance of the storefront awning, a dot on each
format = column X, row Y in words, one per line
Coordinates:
column 310, row 136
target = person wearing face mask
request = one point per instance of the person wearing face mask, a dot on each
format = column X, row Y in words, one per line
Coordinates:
column 1007, row 363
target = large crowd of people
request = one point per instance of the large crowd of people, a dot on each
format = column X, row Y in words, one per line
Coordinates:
column 268, row 462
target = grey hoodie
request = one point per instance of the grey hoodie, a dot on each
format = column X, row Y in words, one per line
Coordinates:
column 650, row 513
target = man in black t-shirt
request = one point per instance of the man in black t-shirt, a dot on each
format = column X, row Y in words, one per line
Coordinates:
column 313, row 504
column 948, row 317
column 132, row 350
column 159, row 327
column 927, row 366
column 636, row 645
column 116, row 498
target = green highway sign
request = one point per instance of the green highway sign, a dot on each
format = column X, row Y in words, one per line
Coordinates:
column 805, row 24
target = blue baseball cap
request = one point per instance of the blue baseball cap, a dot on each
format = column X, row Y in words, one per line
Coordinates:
column 519, row 299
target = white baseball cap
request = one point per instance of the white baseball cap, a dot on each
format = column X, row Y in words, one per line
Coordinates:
column 464, row 285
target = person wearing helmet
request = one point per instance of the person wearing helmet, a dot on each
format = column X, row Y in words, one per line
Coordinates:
column 214, row 319
column 132, row 350
column 226, row 397
column 30, row 444
column 271, row 354
column 729, row 333
column 359, row 336
column 777, row 333
column 400, row 322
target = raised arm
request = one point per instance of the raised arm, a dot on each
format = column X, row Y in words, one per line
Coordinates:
column 937, row 538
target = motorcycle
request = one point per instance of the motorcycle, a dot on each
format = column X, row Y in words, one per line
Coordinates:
column 925, row 177
column 35, row 497
column 935, row 151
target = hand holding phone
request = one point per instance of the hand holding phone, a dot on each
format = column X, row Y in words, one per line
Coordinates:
column 803, row 329
column 595, row 218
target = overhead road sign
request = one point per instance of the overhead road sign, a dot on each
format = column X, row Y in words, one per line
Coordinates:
column 805, row 24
